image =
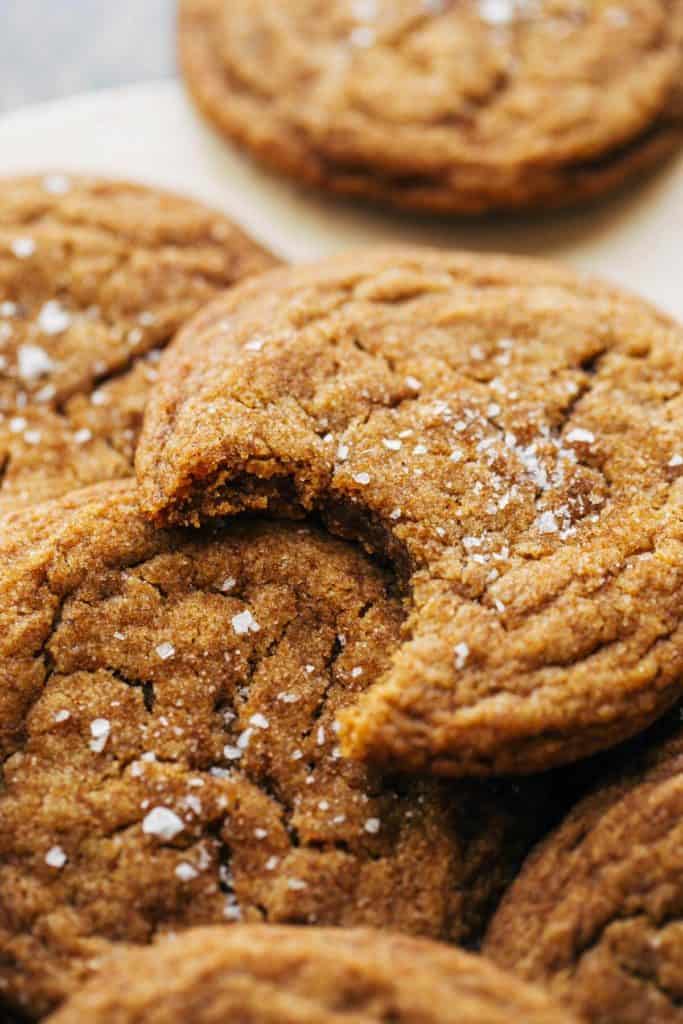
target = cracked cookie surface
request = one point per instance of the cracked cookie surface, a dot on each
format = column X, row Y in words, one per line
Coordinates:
column 434, row 105
column 595, row 915
column 317, row 976
column 95, row 278
column 167, row 736
column 508, row 435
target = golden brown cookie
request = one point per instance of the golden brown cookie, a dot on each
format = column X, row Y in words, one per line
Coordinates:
column 95, row 278
column 507, row 434
column 436, row 105
column 596, row 914
column 284, row 975
column 170, row 758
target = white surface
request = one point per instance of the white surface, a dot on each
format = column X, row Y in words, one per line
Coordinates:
column 149, row 132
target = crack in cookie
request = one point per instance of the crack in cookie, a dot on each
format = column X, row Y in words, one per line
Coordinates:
column 170, row 753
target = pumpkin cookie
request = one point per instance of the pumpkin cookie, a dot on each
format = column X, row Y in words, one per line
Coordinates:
column 95, row 278
column 596, row 912
column 433, row 105
column 169, row 750
column 304, row 976
column 508, row 435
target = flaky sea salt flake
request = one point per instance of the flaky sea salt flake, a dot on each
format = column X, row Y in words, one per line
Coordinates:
column 185, row 872
column 33, row 362
column 497, row 12
column 55, row 857
column 99, row 730
column 580, row 436
column 53, row 318
column 163, row 823
column 244, row 622
column 547, row 523
column 462, row 653
column 23, row 248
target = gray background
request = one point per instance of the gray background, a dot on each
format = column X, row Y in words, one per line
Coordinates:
column 55, row 48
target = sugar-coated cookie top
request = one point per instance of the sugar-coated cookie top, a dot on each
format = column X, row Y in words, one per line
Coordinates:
column 170, row 754
column 95, row 277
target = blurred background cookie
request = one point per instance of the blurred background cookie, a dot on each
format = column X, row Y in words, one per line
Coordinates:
column 316, row 976
column 442, row 106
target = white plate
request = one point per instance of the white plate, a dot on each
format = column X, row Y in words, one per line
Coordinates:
column 149, row 132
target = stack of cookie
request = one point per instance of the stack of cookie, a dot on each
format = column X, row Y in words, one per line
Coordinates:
column 314, row 624
column 407, row 534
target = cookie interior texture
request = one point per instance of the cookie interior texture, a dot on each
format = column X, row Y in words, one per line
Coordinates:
column 95, row 278
column 461, row 107
column 316, row 976
column 167, row 735
column 595, row 915
column 507, row 435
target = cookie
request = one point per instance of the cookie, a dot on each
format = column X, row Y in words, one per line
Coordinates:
column 167, row 708
column 432, row 105
column 95, row 278
column 507, row 435
column 595, row 915
column 312, row 976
